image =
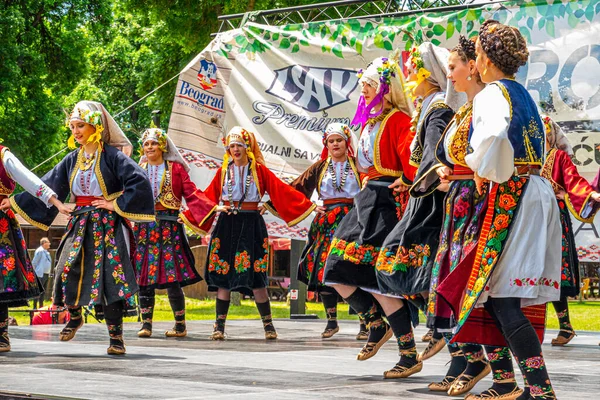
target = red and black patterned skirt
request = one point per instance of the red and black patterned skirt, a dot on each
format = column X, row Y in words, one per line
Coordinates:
column 163, row 256
column 312, row 262
column 18, row 281
column 238, row 254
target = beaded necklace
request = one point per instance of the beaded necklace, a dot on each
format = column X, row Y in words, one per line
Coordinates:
column 333, row 173
column 380, row 117
column 235, row 209
column 84, row 163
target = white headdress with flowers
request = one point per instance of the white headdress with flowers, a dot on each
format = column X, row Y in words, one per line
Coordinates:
column 107, row 129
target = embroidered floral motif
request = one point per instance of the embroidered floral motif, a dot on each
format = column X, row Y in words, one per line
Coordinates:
column 354, row 252
column 16, row 272
column 401, row 200
column 460, row 140
column 105, row 253
column 74, row 251
column 404, row 339
column 507, row 202
column 474, row 356
column 160, row 259
column 114, row 258
column 501, row 222
column 461, row 208
column 41, row 191
column 261, row 264
column 242, row 262
column 216, row 264
column 414, row 257
column 490, row 248
column 540, row 392
column 524, row 282
column 533, row 363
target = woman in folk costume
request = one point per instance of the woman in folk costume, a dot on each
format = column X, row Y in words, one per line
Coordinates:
column 404, row 264
column 383, row 153
column 574, row 194
column 464, row 210
column 163, row 258
column 516, row 263
column 337, row 181
column 18, row 281
column 238, row 255
column 95, row 265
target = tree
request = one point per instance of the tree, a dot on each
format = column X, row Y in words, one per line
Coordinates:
column 41, row 59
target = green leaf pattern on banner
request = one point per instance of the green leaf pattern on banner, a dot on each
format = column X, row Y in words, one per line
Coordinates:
column 344, row 38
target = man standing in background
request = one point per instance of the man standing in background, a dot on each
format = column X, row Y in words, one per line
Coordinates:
column 42, row 262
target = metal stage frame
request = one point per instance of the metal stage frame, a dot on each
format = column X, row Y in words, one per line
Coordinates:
column 343, row 9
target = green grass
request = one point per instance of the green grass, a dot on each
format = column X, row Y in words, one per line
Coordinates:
column 584, row 316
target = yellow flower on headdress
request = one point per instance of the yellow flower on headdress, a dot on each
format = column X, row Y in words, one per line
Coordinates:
column 157, row 135
column 93, row 118
column 416, row 67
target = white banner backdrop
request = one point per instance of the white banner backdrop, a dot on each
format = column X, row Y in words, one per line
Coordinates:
column 286, row 83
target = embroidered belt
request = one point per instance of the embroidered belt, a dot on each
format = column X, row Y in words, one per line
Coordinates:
column 339, row 200
column 379, row 183
column 461, row 173
column 83, row 210
column 172, row 218
column 86, row 200
column 159, row 207
column 330, row 204
column 373, row 174
column 527, row 170
column 249, row 206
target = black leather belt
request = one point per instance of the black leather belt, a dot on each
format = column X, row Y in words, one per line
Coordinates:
column 83, row 210
column 172, row 218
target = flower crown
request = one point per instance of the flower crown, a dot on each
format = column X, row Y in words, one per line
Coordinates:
column 416, row 61
column 93, row 118
column 87, row 116
column 548, row 124
column 243, row 134
column 415, row 64
column 345, row 130
column 156, row 134
column 386, row 71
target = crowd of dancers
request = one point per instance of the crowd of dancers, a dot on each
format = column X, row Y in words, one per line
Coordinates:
column 432, row 213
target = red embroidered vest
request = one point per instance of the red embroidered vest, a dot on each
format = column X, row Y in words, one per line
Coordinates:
column 7, row 185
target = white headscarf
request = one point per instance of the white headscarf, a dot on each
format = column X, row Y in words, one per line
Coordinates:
column 166, row 145
column 556, row 136
column 94, row 113
column 435, row 61
column 396, row 95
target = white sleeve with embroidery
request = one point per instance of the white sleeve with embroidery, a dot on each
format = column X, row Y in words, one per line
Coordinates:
column 27, row 179
column 493, row 155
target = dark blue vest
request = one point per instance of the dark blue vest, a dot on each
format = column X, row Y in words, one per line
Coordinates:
column 526, row 130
